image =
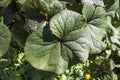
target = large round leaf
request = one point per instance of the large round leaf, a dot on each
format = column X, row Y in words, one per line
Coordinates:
column 96, row 27
column 43, row 52
column 5, row 38
column 68, row 27
column 49, row 53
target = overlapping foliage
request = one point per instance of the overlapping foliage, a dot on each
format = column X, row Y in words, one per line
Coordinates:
column 53, row 35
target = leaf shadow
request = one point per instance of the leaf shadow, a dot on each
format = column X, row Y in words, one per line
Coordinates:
column 47, row 34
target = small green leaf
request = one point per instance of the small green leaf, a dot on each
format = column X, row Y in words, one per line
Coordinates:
column 4, row 3
column 32, row 25
column 114, row 36
column 46, row 6
column 21, row 1
column 115, row 6
column 5, row 37
column 88, row 10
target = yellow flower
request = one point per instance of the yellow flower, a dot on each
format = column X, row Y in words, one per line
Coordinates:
column 87, row 76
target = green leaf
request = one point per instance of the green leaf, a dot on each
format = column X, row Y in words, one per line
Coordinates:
column 21, row 1
column 32, row 25
column 43, row 53
column 115, row 6
column 114, row 34
column 46, row 6
column 95, row 42
column 4, row 3
column 113, row 10
column 5, row 38
column 94, row 2
column 96, row 27
column 92, row 12
column 50, row 48
column 48, row 53
column 88, row 10
column 67, row 25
